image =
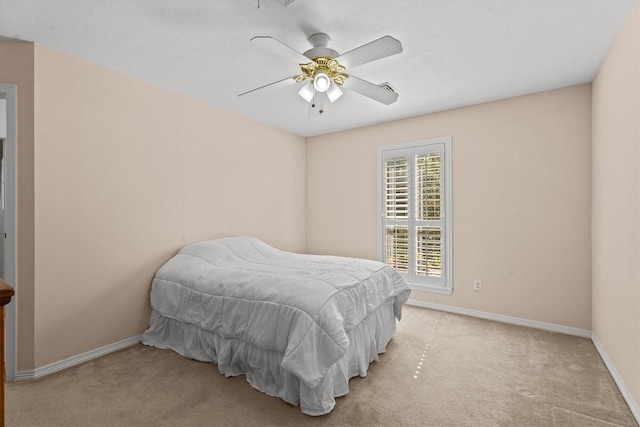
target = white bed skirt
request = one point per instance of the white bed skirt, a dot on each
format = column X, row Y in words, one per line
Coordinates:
column 263, row 368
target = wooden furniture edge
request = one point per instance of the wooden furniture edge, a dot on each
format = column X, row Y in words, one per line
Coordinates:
column 6, row 292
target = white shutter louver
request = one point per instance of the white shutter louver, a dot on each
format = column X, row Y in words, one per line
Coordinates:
column 397, row 187
column 429, row 252
column 397, row 248
column 428, row 186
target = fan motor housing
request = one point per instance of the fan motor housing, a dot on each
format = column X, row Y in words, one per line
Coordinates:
column 320, row 43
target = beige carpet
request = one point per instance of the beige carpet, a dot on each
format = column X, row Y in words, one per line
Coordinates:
column 441, row 369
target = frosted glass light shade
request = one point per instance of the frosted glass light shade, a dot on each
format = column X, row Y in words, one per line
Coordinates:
column 307, row 92
column 334, row 92
column 321, row 82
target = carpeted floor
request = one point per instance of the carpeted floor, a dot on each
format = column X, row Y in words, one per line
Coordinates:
column 441, row 369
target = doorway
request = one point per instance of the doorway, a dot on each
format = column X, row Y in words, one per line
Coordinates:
column 8, row 211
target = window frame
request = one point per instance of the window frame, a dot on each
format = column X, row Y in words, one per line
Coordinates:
column 410, row 150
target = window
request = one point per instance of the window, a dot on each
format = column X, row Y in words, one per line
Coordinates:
column 414, row 200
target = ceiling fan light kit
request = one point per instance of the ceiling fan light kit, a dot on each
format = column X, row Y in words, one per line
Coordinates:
column 324, row 69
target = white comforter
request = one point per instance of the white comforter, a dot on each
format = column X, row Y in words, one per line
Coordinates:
column 300, row 306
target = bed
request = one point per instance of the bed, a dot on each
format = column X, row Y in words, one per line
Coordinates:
column 297, row 326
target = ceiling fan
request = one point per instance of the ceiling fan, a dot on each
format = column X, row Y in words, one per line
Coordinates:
column 324, row 69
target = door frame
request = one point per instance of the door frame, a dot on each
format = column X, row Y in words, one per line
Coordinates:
column 10, row 225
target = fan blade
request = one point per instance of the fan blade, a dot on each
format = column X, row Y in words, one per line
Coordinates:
column 279, row 83
column 370, row 90
column 377, row 49
column 279, row 48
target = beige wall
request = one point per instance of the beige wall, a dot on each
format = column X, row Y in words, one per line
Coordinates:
column 521, row 201
column 126, row 173
column 616, row 205
column 17, row 67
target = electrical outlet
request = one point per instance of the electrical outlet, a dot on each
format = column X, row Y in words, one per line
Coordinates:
column 477, row 285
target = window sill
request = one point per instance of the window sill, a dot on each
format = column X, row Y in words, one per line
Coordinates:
column 428, row 288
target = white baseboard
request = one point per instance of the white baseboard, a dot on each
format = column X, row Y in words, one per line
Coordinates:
column 504, row 319
column 75, row 360
column 633, row 405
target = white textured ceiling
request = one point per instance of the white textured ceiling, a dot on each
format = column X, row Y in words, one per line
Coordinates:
column 456, row 52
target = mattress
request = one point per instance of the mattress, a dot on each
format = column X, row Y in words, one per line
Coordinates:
column 297, row 326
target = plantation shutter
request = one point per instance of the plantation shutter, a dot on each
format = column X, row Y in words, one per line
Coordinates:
column 413, row 235
column 429, row 214
column 396, row 187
